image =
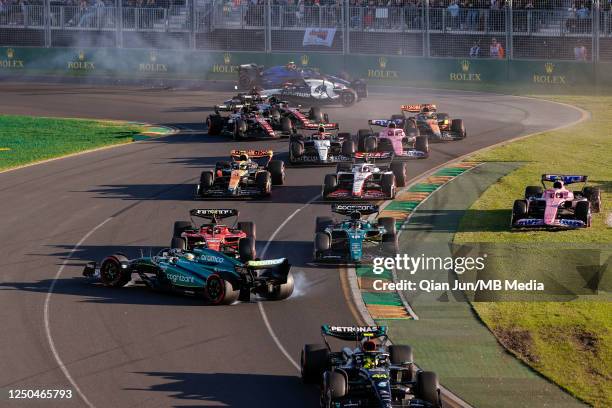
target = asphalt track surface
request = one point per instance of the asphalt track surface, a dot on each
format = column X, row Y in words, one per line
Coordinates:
column 130, row 347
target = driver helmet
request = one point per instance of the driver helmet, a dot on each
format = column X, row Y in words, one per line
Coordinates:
column 369, row 346
column 392, row 125
column 558, row 184
column 243, row 157
column 425, row 109
column 291, row 65
column 321, row 129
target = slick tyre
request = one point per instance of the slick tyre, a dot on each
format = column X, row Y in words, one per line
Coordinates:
column 593, row 194
column 519, row 210
column 348, row 98
column 180, row 227
column 277, row 172
column 428, row 388
column 322, row 243
column 330, row 184
column 389, row 224
column 400, row 173
column 348, row 148
column 286, row 125
column 112, row 273
column 390, row 244
column 246, row 249
column 248, row 228
column 178, row 243
column 583, row 212
column 314, row 360
column 219, row 291
column 214, row 124
column 282, row 291
column 370, row 144
column 458, row 128
column 385, row 145
column 296, row 149
column 533, row 192
column 388, row 185
column 362, row 134
column 421, row 143
column 240, row 130
column 336, row 384
column 263, row 180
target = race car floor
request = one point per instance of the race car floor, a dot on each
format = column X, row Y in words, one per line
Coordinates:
column 131, row 347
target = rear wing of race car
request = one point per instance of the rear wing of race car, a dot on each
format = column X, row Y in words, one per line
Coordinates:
column 214, row 213
column 384, row 122
column 346, row 209
column 315, row 125
column 277, row 269
column 566, row 179
column 253, row 154
column 354, row 333
column 419, row 107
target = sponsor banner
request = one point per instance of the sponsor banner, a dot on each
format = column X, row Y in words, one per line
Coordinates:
column 319, row 36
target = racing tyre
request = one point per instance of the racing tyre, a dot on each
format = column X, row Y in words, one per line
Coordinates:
column 399, row 171
column 322, row 243
column 215, row 125
column 348, row 98
column 246, row 249
column 421, row 143
column 296, row 148
column 389, row 224
column 277, row 172
column 348, row 148
column 264, row 182
column 583, row 212
column 315, row 115
column 336, row 384
column 330, row 184
column 219, row 291
column 411, row 129
column 390, row 244
column 248, row 228
column 593, row 194
column 370, row 144
column 180, row 227
column 458, row 128
column 275, row 116
column 428, row 388
column 282, row 291
column 323, row 222
column 519, row 210
column 112, row 274
column 533, row 191
column 178, row 243
column 385, row 145
column 240, row 130
column 286, row 125
column 362, row 134
column 343, row 167
column 314, row 360
column 388, row 185
column 207, row 178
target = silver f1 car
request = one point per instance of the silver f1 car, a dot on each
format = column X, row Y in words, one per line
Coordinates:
column 320, row 148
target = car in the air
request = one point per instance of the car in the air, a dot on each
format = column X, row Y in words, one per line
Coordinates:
column 354, row 239
column 394, row 139
column 556, row 206
column 365, row 180
column 249, row 173
column 214, row 234
column 437, row 126
column 304, row 85
column 211, row 275
column 371, row 373
column 321, row 148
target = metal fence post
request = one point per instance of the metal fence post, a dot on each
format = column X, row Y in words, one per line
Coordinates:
column 268, row 26
column 595, row 31
column 347, row 27
column 119, row 23
column 425, row 17
column 509, row 21
column 47, row 20
column 192, row 24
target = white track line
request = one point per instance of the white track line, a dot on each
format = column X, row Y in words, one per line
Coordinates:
column 56, row 355
column 262, row 311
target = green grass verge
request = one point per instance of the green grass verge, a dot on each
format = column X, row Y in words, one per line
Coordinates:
column 25, row 139
column 568, row 342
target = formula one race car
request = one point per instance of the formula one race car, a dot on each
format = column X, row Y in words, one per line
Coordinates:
column 438, row 127
column 365, row 181
column 231, row 240
column 369, row 375
column 251, row 173
column 556, row 207
column 214, row 276
column 321, row 148
column 247, row 121
column 301, row 84
column 393, row 139
column 350, row 239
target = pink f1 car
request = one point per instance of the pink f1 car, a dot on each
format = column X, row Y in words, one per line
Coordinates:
column 394, row 138
column 556, row 207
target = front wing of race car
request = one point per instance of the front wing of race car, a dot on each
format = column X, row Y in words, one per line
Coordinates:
column 366, row 194
column 222, row 191
column 562, row 223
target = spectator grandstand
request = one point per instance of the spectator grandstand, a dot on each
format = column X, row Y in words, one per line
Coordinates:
column 525, row 29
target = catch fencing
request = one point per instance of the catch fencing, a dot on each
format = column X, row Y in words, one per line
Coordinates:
column 409, row 28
